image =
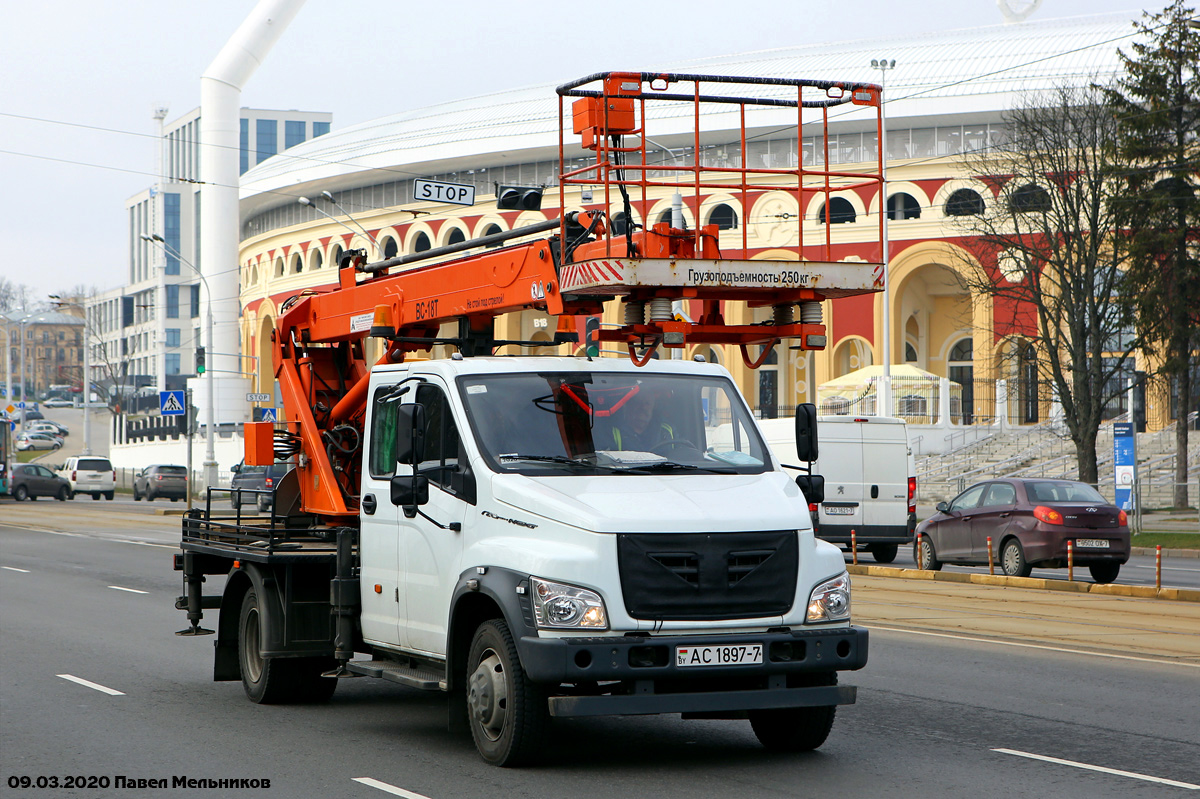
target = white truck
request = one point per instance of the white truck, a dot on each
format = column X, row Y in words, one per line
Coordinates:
column 544, row 537
column 870, row 481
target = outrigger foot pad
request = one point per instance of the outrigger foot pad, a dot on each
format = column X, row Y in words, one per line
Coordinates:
column 195, row 630
column 341, row 673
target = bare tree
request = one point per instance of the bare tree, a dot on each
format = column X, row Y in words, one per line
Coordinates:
column 1046, row 251
column 1157, row 104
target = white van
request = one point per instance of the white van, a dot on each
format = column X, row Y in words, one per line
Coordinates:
column 870, row 480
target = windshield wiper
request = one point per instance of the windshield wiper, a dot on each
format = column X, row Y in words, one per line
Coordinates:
column 563, row 459
column 671, row 466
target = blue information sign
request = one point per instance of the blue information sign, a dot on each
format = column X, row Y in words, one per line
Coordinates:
column 170, row 403
column 266, row 414
column 1124, row 463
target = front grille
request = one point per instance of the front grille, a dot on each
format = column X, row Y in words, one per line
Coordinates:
column 698, row 576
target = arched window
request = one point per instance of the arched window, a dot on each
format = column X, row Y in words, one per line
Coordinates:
column 910, row 353
column 315, row 259
column 278, row 267
column 964, row 202
column 1028, row 199
column 390, row 248
column 903, row 206
column 421, row 242
column 456, row 236
column 961, row 362
column 491, row 230
column 840, row 210
column 337, row 256
column 724, row 217
column 297, row 263
column 254, row 275
column 619, row 224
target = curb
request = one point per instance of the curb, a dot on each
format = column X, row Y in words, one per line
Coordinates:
column 1110, row 589
column 170, row 512
column 1167, row 553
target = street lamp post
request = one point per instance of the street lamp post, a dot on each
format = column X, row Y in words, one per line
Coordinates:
column 210, row 453
column 883, row 65
column 87, row 383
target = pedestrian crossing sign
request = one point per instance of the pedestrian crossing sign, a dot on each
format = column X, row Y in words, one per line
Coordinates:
column 170, row 403
column 266, row 415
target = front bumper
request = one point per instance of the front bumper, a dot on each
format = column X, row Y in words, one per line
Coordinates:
column 642, row 657
column 659, row 686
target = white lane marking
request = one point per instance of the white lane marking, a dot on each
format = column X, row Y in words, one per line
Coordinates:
column 1089, row 767
column 392, row 789
column 15, row 569
column 92, row 685
column 97, row 536
column 1160, row 661
column 130, row 590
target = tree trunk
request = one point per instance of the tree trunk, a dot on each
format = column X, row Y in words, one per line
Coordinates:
column 1180, row 499
column 1085, row 455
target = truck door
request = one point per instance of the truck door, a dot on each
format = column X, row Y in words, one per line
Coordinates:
column 432, row 553
column 841, row 463
column 885, row 479
column 382, row 563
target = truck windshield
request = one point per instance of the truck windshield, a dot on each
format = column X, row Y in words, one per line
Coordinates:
column 604, row 423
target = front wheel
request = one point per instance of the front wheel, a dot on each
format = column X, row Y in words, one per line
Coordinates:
column 925, row 555
column 149, row 496
column 1012, row 559
column 795, row 729
column 95, row 497
column 1105, row 572
column 64, row 494
column 137, row 495
column 507, row 712
column 884, row 553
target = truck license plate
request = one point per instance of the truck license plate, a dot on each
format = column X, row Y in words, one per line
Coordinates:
column 727, row 655
column 1100, row 543
column 839, row 510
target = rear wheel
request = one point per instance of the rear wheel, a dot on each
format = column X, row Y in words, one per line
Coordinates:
column 1012, row 559
column 796, row 729
column 507, row 712
column 109, row 495
column 96, row 497
column 1105, row 572
column 884, row 553
column 267, row 681
column 149, row 496
column 925, row 555
column 20, row 493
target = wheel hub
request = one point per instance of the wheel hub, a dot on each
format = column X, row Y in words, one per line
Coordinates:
column 487, row 695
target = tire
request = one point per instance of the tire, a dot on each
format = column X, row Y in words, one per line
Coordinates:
column 149, row 496
column 267, row 681
column 926, row 558
column 137, row 496
column 884, row 553
column 1012, row 559
column 20, row 493
column 109, row 495
column 1104, row 572
column 174, row 499
column 64, row 494
column 95, row 497
column 796, row 729
column 56, row 446
column 507, row 713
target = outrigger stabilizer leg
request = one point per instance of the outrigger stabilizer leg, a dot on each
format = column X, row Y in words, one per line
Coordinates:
column 344, row 600
column 194, row 580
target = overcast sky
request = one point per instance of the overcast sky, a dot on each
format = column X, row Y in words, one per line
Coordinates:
column 80, row 79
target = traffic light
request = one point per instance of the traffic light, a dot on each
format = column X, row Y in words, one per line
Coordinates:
column 199, row 360
column 524, row 198
column 591, row 327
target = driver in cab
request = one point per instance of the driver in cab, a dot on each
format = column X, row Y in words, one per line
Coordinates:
column 639, row 427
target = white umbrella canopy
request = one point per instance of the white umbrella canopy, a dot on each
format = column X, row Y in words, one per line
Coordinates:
column 914, row 392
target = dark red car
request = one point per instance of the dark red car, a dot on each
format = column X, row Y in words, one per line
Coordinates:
column 1030, row 521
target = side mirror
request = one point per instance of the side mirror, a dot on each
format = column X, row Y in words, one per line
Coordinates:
column 806, row 432
column 813, row 487
column 943, row 507
column 410, row 491
column 237, row 467
column 410, row 433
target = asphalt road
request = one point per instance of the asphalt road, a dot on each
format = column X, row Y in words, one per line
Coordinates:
column 932, row 717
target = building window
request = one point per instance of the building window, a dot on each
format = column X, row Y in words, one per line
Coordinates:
column 840, row 210
column 173, row 302
column 172, row 363
column 293, row 133
column 244, row 145
column 172, row 337
column 315, row 261
column 320, row 129
column 964, row 202
column 724, row 217
column 195, row 300
column 421, row 243
column 266, row 139
column 1028, row 199
column 456, row 236
column 171, row 232
column 903, row 206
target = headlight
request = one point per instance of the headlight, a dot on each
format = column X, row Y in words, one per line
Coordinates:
column 564, row 607
column 830, row 601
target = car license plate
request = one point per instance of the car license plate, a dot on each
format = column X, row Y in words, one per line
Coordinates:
column 1095, row 543
column 726, row 655
column 838, row 510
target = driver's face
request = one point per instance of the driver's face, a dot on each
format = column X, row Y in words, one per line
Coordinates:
column 641, row 409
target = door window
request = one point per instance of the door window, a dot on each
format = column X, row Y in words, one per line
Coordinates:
column 441, row 437
column 383, row 434
column 1000, row 494
column 968, row 499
